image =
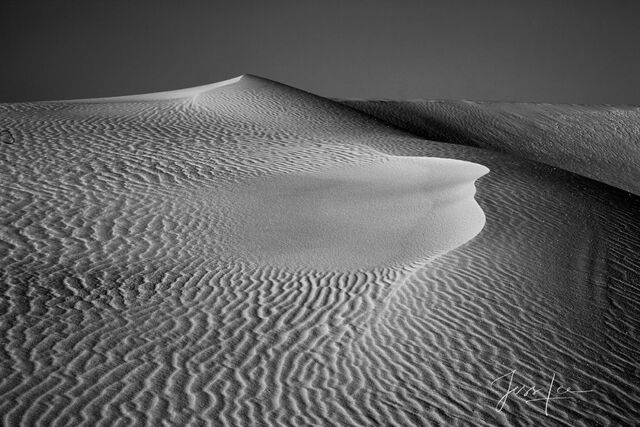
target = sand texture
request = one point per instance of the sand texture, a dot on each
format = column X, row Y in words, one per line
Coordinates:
column 599, row 142
column 246, row 253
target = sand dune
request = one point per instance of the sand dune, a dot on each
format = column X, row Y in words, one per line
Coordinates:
column 247, row 253
column 599, row 142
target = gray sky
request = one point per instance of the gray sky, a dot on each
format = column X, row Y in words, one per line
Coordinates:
column 576, row 51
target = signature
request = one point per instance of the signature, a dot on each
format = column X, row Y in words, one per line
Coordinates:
column 532, row 393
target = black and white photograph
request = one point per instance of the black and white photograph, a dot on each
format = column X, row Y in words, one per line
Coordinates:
column 320, row 213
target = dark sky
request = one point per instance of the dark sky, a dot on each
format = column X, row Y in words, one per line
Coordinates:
column 576, row 51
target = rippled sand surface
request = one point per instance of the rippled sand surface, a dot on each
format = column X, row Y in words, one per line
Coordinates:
column 246, row 253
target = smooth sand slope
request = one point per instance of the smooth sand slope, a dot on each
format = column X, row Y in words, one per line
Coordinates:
column 389, row 214
column 246, row 253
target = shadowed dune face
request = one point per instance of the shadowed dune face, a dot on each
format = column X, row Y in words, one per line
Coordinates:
column 598, row 141
column 371, row 216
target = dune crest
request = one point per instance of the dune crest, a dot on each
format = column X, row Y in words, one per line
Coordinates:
column 596, row 141
column 163, row 95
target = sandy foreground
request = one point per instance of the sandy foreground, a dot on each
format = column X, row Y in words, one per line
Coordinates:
column 246, row 253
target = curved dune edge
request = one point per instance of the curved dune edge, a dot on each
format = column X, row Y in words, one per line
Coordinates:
column 160, row 96
column 596, row 141
column 372, row 216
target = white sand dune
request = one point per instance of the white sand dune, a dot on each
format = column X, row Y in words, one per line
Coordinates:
column 599, row 141
column 247, row 253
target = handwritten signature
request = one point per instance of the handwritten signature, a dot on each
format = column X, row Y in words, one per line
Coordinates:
column 532, row 393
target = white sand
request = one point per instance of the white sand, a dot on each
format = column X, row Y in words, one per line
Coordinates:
column 379, row 215
column 246, row 253
column 596, row 141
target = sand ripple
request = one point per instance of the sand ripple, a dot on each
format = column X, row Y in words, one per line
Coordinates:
column 123, row 302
